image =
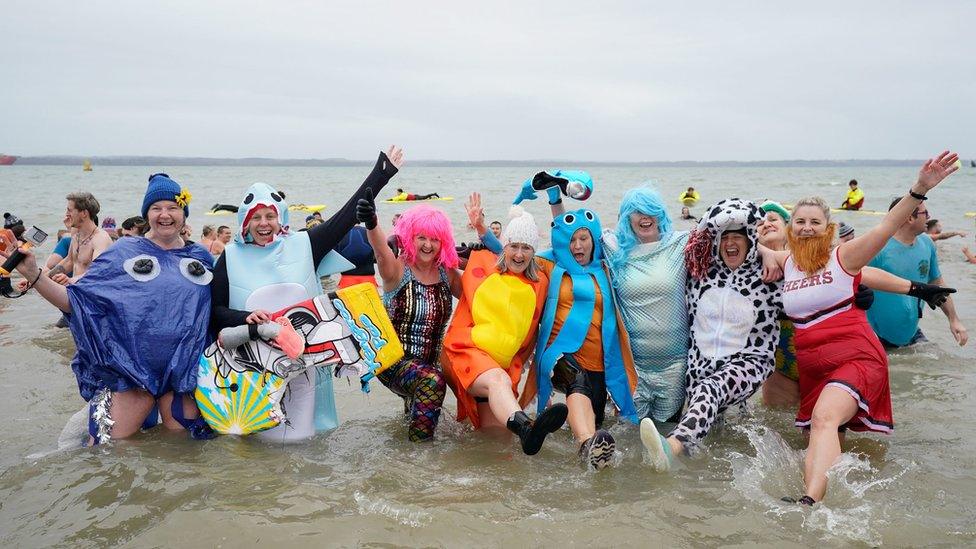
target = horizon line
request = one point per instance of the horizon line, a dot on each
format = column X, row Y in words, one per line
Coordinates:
column 132, row 160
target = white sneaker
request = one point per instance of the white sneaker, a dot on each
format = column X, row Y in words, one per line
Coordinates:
column 657, row 446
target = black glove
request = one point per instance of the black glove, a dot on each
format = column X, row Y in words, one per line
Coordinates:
column 366, row 210
column 544, row 180
column 465, row 249
column 863, row 297
column 934, row 295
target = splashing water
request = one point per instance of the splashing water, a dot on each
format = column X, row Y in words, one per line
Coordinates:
column 851, row 510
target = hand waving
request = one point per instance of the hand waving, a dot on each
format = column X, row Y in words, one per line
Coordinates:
column 395, row 154
column 476, row 214
column 936, row 169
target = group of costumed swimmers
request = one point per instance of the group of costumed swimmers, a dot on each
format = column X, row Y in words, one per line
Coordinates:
column 652, row 317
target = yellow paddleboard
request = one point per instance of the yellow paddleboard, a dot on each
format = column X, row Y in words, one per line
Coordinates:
column 307, row 208
column 443, row 199
column 310, row 208
column 839, row 210
column 970, row 214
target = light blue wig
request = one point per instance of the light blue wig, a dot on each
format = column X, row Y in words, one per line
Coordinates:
column 643, row 200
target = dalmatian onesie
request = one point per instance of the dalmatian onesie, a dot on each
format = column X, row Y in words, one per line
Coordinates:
column 733, row 321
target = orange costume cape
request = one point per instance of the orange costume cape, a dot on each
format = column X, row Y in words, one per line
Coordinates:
column 494, row 326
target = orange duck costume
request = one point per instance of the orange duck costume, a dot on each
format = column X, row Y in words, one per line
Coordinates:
column 494, row 326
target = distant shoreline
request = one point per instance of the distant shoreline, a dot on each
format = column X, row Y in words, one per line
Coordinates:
column 343, row 162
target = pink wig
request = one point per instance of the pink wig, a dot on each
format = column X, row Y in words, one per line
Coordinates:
column 432, row 223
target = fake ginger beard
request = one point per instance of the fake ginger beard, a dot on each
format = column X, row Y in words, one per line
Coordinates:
column 811, row 253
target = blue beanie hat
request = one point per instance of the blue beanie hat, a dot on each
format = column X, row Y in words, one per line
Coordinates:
column 161, row 187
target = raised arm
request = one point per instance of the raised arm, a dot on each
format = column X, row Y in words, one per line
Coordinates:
column 856, row 253
column 476, row 220
column 325, row 236
column 390, row 268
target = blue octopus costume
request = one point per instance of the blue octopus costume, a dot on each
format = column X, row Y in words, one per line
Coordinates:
column 139, row 320
column 585, row 279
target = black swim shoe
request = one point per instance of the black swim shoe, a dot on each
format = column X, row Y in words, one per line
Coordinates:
column 805, row 500
column 533, row 433
column 598, row 450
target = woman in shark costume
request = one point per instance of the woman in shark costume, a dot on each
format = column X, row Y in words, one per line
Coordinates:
column 138, row 322
column 734, row 325
column 267, row 268
column 647, row 260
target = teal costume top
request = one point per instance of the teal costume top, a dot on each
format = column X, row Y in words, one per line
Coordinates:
column 277, row 275
column 585, row 278
column 894, row 317
column 650, row 290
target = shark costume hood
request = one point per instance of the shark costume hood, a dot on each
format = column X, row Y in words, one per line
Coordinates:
column 585, row 279
column 260, row 195
column 279, row 273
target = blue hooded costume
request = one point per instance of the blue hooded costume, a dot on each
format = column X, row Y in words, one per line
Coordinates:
column 585, row 279
column 139, row 319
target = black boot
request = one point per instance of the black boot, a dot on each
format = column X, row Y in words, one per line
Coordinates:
column 533, row 433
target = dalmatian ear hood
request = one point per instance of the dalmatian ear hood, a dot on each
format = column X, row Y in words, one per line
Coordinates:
column 257, row 196
column 702, row 251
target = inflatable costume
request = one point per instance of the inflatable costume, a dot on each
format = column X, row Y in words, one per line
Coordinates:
column 284, row 272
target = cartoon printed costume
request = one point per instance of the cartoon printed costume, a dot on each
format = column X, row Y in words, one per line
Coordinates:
column 138, row 321
column 733, row 315
column 281, row 273
column 650, row 289
column 578, row 298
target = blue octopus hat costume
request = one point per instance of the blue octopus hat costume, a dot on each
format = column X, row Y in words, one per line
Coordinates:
column 585, row 279
column 139, row 318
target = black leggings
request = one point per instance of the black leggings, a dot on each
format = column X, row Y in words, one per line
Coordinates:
column 568, row 377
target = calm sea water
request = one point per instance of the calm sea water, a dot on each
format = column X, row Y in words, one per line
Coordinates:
column 364, row 484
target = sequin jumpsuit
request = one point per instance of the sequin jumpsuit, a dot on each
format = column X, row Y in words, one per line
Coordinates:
column 420, row 314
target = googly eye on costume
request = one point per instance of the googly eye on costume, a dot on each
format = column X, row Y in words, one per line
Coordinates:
column 248, row 198
column 276, row 197
column 569, row 219
column 142, row 267
column 195, row 272
column 589, row 215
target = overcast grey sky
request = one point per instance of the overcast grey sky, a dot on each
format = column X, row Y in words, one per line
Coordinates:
column 606, row 81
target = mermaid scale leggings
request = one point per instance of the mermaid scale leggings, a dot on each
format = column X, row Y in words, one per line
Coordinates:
column 422, row 387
